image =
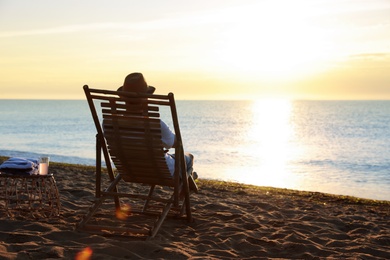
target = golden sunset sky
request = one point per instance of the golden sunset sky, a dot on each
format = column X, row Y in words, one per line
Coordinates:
column 214, row 49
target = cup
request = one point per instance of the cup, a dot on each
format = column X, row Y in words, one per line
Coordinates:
column 44, row 165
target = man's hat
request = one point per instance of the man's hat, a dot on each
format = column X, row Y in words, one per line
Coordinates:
column 135, row 82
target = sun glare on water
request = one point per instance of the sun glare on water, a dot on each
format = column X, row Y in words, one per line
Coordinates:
column 270, row 141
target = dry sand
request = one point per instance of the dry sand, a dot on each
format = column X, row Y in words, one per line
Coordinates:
column 232, row 221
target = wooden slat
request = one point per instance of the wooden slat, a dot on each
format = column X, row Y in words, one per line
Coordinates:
column 159, row 102
column 144, row 172
column 144, row 163
column 141, row 149
column 128, row 132
column 122, row 105
column 111, row 121
column 121, row 130
column 149, row 114
column 134, row 156
column 145, row 166
column 149, row 180
column 121, row 118
column 102, row 98
column 125, row 94
column 136, row 143
column 151, row 140
column 156, row 171
column 155, row 153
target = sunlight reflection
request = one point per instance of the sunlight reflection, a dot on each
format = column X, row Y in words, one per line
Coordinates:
column 85, row 254
column 270, row 138
column 123, row 212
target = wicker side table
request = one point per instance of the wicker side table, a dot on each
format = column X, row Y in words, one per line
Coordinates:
column 29, row 196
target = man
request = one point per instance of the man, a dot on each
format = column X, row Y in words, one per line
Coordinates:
column 135, row 82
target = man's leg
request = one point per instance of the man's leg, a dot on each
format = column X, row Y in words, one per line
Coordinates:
column 190, row 163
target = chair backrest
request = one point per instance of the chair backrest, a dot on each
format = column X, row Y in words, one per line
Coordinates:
column 129, row 126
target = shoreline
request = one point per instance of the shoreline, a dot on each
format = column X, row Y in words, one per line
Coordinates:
column 232, row 221
column 243, row 186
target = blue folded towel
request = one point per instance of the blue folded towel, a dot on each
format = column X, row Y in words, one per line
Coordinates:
column 16, row 165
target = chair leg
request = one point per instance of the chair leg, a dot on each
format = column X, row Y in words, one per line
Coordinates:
column 186, row 202
column 99, row 202
column 91, row 212
column 188, row 206
column 160, row 220
column 192, row 184
column 149, row 197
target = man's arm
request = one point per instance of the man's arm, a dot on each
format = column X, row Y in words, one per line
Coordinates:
column 167, row 136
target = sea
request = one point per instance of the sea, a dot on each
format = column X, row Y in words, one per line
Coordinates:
column 336, row 147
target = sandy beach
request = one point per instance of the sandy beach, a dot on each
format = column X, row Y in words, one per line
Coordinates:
column 232, row 221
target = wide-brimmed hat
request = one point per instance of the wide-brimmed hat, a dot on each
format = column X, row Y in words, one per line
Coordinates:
column 135, row 82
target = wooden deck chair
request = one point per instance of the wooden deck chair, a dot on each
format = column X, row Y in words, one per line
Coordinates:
column 129, row 137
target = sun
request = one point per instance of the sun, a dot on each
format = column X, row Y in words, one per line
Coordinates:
column 273, row 43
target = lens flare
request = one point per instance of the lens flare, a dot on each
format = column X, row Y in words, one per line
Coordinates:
column 123, row 212
column 85, row 254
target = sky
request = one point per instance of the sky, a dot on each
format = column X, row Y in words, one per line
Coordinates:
column 214, row 49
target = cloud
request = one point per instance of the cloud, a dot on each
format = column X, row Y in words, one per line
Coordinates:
column 370, row 56
column 150, row 25
column 58, row 30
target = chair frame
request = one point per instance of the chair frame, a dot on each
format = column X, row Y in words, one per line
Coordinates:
column 179, row 200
